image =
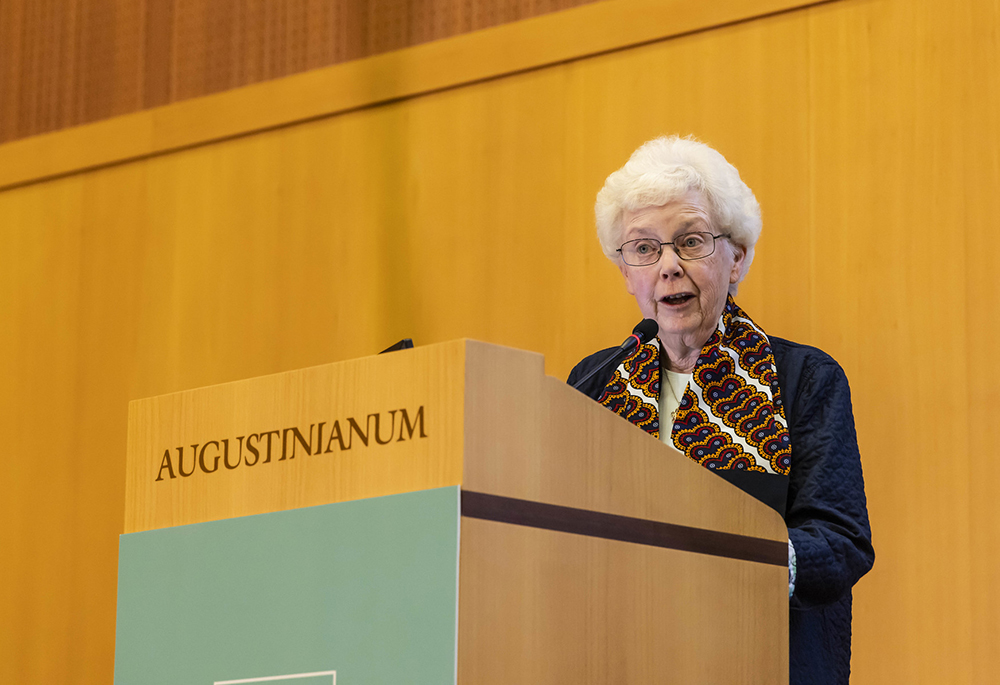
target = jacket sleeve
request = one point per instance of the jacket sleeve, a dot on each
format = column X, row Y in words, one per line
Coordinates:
column 594, row 387
column 827, row 514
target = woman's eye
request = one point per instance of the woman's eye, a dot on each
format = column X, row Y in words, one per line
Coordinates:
column 692, row 241
column 643, row 248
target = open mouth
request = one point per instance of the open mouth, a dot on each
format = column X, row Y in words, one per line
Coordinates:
column 677, row 300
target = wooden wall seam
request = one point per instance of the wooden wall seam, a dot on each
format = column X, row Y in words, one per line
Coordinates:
column 512, row 48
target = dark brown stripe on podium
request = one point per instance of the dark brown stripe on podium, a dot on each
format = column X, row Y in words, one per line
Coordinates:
column 521, row 512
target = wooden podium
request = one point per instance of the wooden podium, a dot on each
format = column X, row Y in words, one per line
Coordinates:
column 587, row 551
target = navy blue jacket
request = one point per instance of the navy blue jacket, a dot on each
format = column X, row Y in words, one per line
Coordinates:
column 824, row 507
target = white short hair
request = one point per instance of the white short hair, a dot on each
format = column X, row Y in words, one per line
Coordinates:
column 667, row 168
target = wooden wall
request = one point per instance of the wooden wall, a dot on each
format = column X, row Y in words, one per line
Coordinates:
column 868, row 129
column 69, row 62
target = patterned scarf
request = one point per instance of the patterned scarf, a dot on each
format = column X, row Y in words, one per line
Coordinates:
column 730, row 416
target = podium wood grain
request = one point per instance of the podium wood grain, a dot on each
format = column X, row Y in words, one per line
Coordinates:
column 601, row 611
column 429, row 377
column 494, row 423
column 576, row 530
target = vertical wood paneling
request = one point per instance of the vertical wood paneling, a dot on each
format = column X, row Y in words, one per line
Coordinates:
column 466, row 213
column 69, row 62
column 902, row 153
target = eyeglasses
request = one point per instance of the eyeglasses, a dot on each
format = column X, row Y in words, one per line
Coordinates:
column 688, row 246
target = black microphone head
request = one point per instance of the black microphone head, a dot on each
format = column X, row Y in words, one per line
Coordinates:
column 646, row 329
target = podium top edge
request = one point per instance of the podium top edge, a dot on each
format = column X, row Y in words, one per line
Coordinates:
column 417, row 349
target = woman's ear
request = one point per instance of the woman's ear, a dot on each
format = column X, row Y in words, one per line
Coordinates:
column 739, row 255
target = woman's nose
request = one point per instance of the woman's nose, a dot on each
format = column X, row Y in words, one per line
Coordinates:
column 670, row 263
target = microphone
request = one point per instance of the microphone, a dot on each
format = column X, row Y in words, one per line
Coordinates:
column 644, row 331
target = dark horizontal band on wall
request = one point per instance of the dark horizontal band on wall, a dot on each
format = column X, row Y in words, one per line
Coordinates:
column 513, row 48
column 622, row 528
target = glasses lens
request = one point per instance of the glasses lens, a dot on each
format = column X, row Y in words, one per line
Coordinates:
column 694, row 245
column 641, row 252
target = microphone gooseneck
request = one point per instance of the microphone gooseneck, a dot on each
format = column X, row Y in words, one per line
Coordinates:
column 644, row 331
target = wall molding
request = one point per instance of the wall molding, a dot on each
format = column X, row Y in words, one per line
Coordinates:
column 461, row 60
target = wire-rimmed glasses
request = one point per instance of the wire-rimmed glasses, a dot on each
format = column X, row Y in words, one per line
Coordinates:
column 688, row 246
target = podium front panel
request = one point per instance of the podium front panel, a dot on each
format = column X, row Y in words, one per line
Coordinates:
column 366, row 589
column 349, row 430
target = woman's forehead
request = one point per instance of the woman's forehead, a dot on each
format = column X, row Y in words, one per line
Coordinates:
column 686, row 214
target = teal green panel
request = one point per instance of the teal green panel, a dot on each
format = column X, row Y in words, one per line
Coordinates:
column 367, row 588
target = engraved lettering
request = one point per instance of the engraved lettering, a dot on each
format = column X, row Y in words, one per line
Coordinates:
column 404, row 423
column 335, row 434
column 392, row 427
column 180, row 460
column 269, row 434
column 294, row 441
column 225, row 454
column 201, row 457
column 353, row 428
column 297, row 438
column 166, row 464
column 252, row 450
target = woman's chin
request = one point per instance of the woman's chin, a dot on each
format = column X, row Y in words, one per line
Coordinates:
column 676, row 327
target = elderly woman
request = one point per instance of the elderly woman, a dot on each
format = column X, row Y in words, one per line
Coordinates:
column 770, row 416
